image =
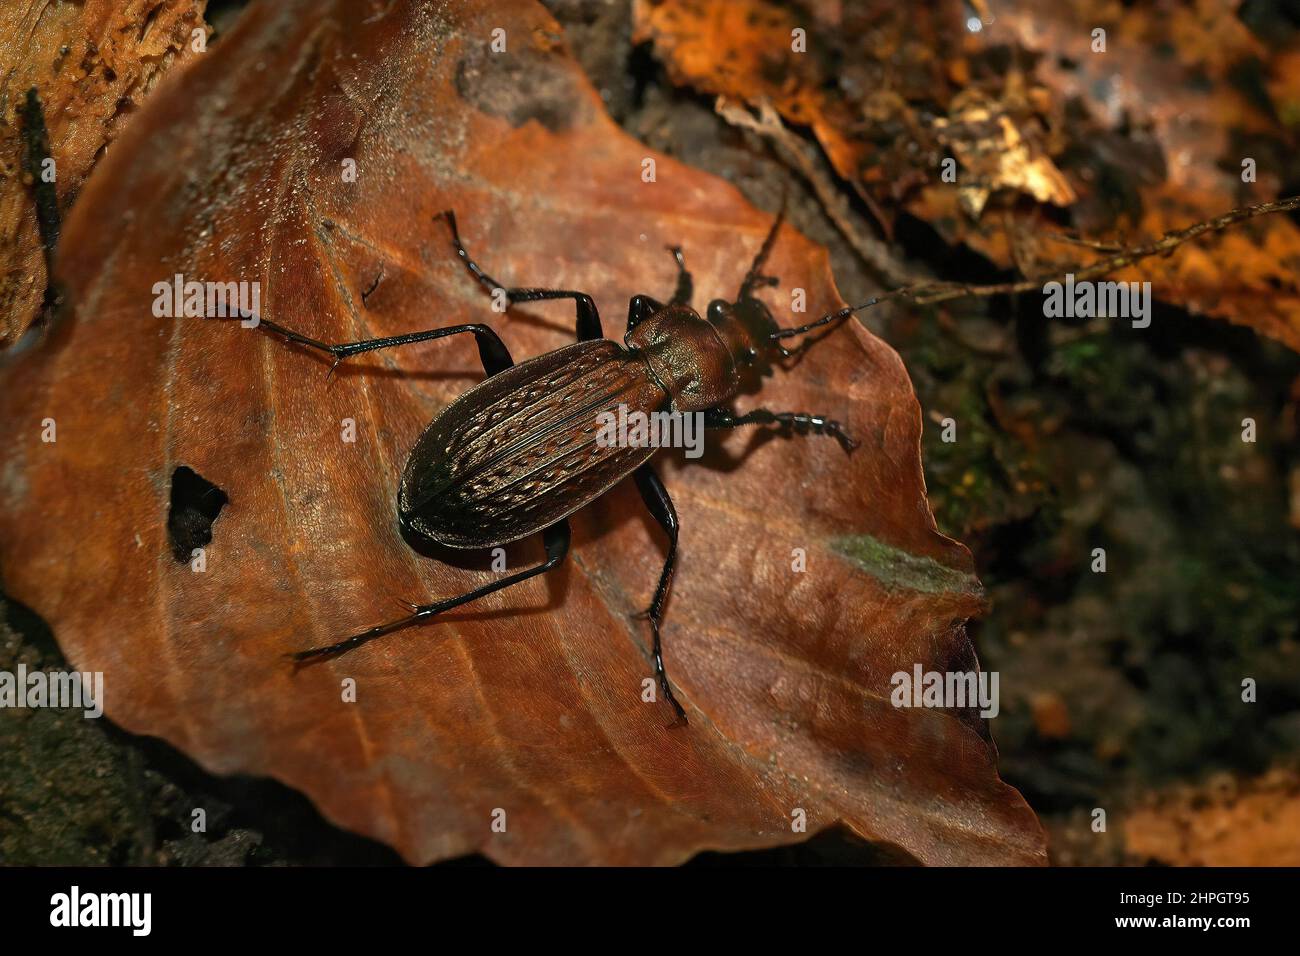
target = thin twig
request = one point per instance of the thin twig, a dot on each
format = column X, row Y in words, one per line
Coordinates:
column 943, row 291
column 877, row 254
column 1096, row 245
column 794, row 151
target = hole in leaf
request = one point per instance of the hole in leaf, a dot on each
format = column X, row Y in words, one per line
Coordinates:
column 195, row 504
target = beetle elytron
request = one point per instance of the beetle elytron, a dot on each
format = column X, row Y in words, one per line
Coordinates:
column 517, row 454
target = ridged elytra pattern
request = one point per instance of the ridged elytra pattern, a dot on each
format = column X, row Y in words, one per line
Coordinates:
column 518, row 452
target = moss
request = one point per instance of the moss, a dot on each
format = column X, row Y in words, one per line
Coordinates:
column 988, row 476
column 896, row 568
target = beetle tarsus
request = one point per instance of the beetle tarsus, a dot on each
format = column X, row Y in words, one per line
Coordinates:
column 556, row 539
column 800, row 422
column 486, row 280
column 316, row 655
column 588, row 317
column 34, row 154
column 660, row 506
column 662, row 674
column 685, row 281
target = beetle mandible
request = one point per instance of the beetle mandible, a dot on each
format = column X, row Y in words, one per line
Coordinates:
column 518, row 454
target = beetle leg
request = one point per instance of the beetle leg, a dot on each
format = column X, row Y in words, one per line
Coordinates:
column 655, row 496
column 493, row 352
column 640, row 308
column 685, row 282
column 588, row 318
column 556, row 538
column 818, row 424
column 589, row 327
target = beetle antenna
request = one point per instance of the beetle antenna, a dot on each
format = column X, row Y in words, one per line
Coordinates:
column 752, row 276
column 833, row 318
column 836, row 318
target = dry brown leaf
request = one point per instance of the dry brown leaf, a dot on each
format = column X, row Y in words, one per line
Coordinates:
column 530, row 700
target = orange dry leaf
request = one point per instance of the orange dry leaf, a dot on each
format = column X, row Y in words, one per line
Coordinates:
column 1141, row 136
column 866, row 80
column 994, row 155
column 530, row 701
column 1177, row 100
column 1221, row 823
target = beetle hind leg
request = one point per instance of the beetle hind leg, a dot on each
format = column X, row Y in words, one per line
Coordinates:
column 556, row 537
column 656, row 499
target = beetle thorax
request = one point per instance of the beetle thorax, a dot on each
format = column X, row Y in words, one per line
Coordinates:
column 688, row 357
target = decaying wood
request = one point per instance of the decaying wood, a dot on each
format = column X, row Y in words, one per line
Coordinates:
column 93, row 64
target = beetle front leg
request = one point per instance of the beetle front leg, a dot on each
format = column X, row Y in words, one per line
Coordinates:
column 655, row 496
column 640, row 308
column 685, row 281
column 800, row 421
column 556, row 537
column 588, row 318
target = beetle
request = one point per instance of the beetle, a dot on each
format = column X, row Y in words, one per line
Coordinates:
column 518, row 453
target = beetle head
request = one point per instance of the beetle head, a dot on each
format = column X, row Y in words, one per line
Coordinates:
column 746, row 327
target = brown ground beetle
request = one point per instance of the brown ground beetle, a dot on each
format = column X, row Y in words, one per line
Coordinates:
column 517, row 454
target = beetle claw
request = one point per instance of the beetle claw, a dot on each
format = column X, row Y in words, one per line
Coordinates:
column 680, row 719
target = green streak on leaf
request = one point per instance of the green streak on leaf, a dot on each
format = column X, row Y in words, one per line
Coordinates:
column 896, row 568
